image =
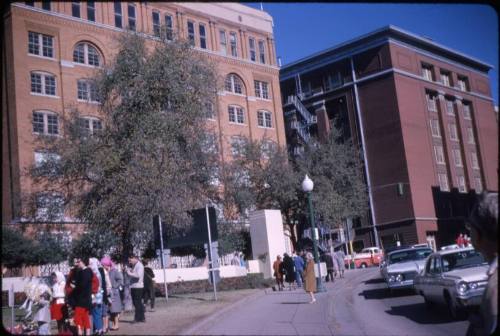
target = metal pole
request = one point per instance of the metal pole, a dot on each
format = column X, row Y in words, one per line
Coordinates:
column 319, row 281
column 162, row 261
column 365, row 156
column 210, row 261
column 12, row 303
column 348, row 242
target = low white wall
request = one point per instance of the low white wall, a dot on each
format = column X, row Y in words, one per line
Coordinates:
column 254, row 266
column 197, row 273
column 18, row 282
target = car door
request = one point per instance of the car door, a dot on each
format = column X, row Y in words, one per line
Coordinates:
column 426, row 277
column 435, row 278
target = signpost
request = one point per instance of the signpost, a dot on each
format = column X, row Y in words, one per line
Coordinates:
column 158, row 218
column 11, row 304
column 211, row 268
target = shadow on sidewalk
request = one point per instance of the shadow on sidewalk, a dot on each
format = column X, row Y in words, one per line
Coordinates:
column 420, row 314
column 384, row 293
column 374, row 281
column 300, row 302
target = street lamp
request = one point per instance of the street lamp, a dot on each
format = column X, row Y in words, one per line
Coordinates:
column 307, row 187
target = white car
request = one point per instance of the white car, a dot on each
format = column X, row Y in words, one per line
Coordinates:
column 402, row 266
column 455, row 277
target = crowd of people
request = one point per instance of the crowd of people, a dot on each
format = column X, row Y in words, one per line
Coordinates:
column 90, row 299
column 463, row 240
column 297, row 270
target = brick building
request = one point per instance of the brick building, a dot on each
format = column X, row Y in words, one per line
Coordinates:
column 49, row 48
column 423, row 114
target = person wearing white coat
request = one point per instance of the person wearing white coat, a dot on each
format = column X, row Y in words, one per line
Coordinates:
column 57, row 306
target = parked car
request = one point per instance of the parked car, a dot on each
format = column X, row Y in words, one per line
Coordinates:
column 402, row 266
column 368, row 256
column 397, row 248
column 455, row 277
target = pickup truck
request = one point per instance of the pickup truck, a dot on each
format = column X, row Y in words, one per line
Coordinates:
column 369, row 256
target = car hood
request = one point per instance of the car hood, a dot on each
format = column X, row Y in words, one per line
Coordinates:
column 407, row 266
column 477, row 273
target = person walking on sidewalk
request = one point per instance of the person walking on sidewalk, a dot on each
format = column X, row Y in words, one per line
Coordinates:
column 289, row 267
column 299, row 269
column 81, row 295
column 149, row 285
column 328, row 260
column 136, row 275
column 339, row 258
column 310, row 277
column 277, row 266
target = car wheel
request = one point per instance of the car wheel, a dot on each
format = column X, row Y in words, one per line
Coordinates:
column 363, row 265
column 456, row 313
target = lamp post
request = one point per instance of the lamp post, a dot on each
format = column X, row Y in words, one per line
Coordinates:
column 307, row 187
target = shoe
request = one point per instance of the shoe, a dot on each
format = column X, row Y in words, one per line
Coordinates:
column 313, row 301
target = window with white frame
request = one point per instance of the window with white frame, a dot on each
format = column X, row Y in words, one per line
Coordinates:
column 457, row 157
column 236, row 114
column 427, row 71
column 86, row 53
column 474, row 160
column 450, row 108
column 431, row 102
column 478, row 184
column 446, row 78
column 466, row 110
column 91, row 10
column 262, row 52
column 169, row 26
column 267, row 147
column 45, row 122
column 261, row 89
column 453, row 131
column 222, row 42
column 443, row 182
column 234, row 84
column 156, row 22
column 203, row 36
column 87, row 91
column 40, row 44
column 233, row 42
column 439, row 154
column 435, row 131
column 463, row 83
column 43, row 83
column 238, row 145
column 75, row 9
column 461, row 183
column 118, row 14
column 470, row 135
column 90, row 125
column 251, row 48
column 49, row 207
column 131, row 16
column 47, row 161
column 264, row 119
column 190, row 30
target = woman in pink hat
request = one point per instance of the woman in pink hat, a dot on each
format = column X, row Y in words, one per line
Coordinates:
column 116, row 280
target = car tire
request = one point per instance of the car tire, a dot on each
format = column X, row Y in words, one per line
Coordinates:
column 455, row 312
column 363, row 265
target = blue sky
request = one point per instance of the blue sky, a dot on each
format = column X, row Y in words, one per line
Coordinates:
column 301, row 29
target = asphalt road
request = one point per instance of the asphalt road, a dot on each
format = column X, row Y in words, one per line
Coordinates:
column 359, row 304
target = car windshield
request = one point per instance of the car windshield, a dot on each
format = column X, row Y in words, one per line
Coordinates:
column 408, row 255
column 462, row 259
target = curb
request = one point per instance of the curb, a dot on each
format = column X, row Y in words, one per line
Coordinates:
column 212, row 317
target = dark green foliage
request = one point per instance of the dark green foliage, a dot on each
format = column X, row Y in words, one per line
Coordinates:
column 15, row 247
column 94, row 243
column 232, row 237
column 198, row 251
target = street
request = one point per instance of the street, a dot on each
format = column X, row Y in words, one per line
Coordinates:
column 359, row 304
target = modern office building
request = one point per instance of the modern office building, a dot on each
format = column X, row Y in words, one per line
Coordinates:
column 424, row 115
column 50, row 48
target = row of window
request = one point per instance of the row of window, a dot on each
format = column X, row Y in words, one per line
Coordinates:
column 236, row 115
column 452, row 129
column 445, row 76
column 450, row 104
column 444, row 186
column 45, row 84
column 457, row 157
column 233, row 83
column 256, row 48
column 47, row 122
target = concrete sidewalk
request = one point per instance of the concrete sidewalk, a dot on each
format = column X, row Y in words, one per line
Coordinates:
column 274, row 313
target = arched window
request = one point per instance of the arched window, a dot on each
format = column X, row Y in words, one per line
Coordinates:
column 234, row 84
column 90, row 124
column 264, row 119
column 86, row 53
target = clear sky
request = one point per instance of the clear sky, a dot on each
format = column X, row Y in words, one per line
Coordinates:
column 301, row 29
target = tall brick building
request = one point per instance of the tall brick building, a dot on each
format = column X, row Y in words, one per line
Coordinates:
column 49, row 48
column 423, row 114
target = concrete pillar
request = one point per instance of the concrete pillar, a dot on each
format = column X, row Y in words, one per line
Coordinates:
column 268, row 240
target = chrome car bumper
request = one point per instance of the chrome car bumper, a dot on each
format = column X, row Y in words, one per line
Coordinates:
column 400, row 284
column 471, row 298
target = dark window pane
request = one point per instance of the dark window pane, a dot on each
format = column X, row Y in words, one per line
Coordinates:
column 37, row 122
column 156, row 23
column 203, row 37
column 170, row 29
column 46, row 5
column 91, row 10
column 30, row 3
column 191, row 32
column 33, row 43
column 75, row 9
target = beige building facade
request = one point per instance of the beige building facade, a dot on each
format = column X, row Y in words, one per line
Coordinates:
column 50, row 48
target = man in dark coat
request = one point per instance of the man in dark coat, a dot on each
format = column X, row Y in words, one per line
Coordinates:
column 289, row 267
column 149, row 285
column 81, row 296
column 328, row 260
